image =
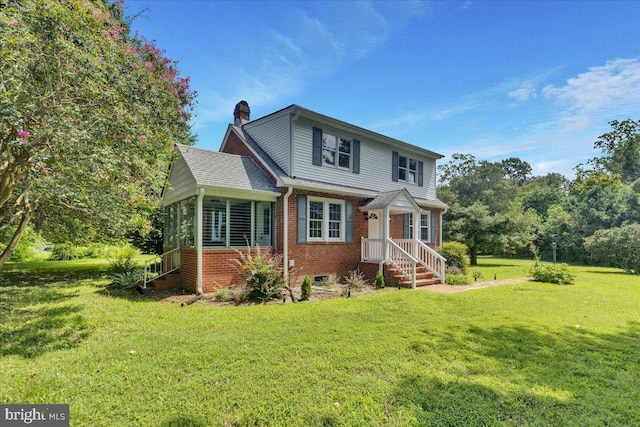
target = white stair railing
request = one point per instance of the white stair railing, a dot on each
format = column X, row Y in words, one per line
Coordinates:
column 402, row 261
column 425, row 255
column 161, row 265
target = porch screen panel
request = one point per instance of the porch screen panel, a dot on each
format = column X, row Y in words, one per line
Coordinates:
column 263, row 223
column 214, row 222
column 187, row 215
column 240, row 223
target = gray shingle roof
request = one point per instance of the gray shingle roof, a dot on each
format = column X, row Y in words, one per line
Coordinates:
column 222, row 170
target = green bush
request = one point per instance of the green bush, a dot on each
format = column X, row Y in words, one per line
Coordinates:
column 379, row 280
column 128, row 279
column 456, row 279
column 97, row 250
column 305, row 290
column 27, row 247
column 552, row 273
column 262, row 272
column 66, row 252
column 617, row 247
column 122, row 259
column 456, row 255
column 221, row 295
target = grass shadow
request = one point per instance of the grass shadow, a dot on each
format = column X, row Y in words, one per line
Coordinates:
column 520, row 376
column 37, row 309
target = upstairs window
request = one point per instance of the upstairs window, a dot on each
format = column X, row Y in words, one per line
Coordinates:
column 406, row 169
column 335, row 151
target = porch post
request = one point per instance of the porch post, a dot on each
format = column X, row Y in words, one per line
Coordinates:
column 199, row 221
column 416, row 232
column 385, row 233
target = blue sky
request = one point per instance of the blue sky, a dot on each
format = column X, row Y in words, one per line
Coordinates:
column 535, row 80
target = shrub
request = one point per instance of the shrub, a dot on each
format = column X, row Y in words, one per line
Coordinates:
column 221, row 295
column 305, row 290
column 122, row 259
column 552, row 273
column 355, row 280
column 127, row 279
column 379, row 280
column 65, row 252
column 618, row 247
column 456, row 255
column 456, row 279
column 262, row 272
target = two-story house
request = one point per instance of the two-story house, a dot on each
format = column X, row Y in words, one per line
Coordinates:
column 330, row 197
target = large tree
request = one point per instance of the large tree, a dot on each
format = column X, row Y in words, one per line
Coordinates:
column 620, row 150
column 88, row 117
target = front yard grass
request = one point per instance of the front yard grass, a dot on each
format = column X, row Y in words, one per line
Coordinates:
column 520, row 354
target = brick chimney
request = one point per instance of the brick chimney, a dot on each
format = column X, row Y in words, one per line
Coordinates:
column 241, row 113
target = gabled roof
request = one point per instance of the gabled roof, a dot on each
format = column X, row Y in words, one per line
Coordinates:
column 299, row 111
column 283, row 180
column 222, row 170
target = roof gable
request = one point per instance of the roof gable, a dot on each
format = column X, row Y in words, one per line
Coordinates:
column 228, row 171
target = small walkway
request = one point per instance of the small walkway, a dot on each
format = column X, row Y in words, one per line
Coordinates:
column 454, row 289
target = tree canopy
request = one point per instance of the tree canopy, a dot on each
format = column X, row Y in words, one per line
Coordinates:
column 88, row 117
column 499, row 208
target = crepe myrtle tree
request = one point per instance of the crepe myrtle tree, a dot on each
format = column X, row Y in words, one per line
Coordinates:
column 88, row 117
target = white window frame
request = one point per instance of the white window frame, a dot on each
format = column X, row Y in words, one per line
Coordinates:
column 408, row 171
column 326, row 220
column 336, row 151
column 423, row 214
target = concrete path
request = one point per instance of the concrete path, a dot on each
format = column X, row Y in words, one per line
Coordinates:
column 454, row 289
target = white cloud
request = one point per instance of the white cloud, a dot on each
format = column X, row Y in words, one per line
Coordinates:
column 526, row 92
column 610, row 89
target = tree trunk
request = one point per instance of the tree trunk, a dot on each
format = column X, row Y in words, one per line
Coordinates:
column 473, row 255
column 29, row 209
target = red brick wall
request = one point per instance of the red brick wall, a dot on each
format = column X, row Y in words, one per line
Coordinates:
column 218, row 269
column 320, row 258
column 188, row 269
column 235, row 145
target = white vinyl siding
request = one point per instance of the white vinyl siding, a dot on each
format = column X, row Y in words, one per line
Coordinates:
column 181, row 183
column 375, row 164
column 273, row 136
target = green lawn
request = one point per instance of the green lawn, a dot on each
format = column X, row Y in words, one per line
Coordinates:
column 523, row 354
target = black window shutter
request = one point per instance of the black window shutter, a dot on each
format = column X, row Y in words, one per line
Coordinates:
column 302, row 219
column 348, row 225
column 407, row 226
column 317, row 146
column 394, row 166
column 432, row 224
column 420, row 173
column 356, row 156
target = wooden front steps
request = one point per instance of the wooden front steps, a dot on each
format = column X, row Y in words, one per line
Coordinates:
column 171, row 280
column 423, row 277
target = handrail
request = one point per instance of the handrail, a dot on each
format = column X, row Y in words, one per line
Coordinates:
column 161, row 265
column 402, row 263
column 432, row 260
column 426, row 256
